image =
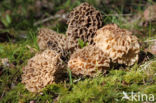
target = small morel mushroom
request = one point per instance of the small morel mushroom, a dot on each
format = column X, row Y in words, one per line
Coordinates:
column 83, row 22
column 50, row 39
column 43, row 69
column 46, row 36
column 120, row 44
column 88, row 61
column 65, row 45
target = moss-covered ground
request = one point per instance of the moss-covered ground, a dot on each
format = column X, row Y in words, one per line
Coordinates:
column 18, row 43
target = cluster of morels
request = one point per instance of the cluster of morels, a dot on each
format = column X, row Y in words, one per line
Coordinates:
column 107, row 44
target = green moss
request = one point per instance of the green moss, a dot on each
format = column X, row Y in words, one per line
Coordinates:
column 134, row 77
column 14, row 95
column 48, row 94
column 150, row 89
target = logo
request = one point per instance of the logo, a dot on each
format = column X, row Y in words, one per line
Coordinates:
column 138, row 97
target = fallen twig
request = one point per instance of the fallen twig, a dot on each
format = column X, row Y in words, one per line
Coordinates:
column 153, row 40
column 118, row 14
column 63, row 16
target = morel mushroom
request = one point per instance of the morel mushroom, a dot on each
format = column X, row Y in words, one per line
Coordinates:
column 50, row 39
column 83, row 22
column 43, row 69
column 88, row 61
column 120, row 44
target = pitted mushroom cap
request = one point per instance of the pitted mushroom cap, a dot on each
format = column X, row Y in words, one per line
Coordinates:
column 41, row 70
column 120, row 44
column 48, row 38
column 44, row 36
column 83, row 22
column 88, row 61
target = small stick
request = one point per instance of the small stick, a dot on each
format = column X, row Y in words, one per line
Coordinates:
column 153, row 40
column 118, row 14
column 63, row 16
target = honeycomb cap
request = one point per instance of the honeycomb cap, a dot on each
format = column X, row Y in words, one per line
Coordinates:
column 44, row 36
column 48, row 38
column 88, row 61
column 83, row 22
column 65, row 45
column 42, row 69
column 120, row 44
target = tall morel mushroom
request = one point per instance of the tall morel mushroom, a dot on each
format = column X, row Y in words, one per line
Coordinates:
column 120, row 44
column 88, row 61
column 83, row 22
column 43, row 69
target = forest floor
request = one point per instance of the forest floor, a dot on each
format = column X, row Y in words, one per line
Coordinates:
column 19, row 23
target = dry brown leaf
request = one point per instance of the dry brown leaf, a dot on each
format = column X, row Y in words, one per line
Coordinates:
column 152, row 48
column 150, row 13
